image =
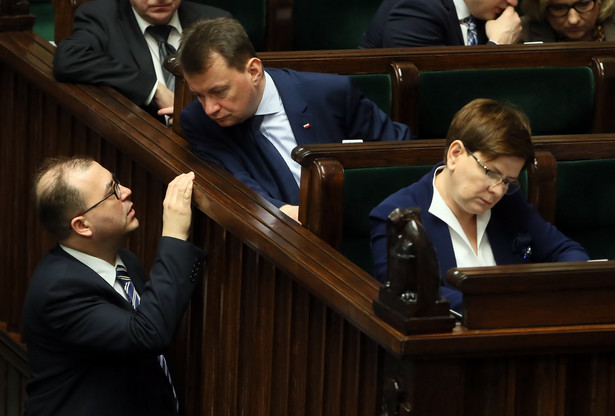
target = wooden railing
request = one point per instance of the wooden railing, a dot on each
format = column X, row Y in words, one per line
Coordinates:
column 270, row 329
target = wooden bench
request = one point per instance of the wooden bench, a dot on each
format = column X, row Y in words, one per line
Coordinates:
column 342, row 183
column 427, row 85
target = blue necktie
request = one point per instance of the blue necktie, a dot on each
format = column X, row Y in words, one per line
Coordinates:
column 122, row 276
column 472, row 33
column 161, row 34
column 279, row 171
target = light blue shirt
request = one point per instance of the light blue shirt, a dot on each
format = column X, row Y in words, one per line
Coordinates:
column 276, row 127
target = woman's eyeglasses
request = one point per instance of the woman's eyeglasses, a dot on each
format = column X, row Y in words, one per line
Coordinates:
column 510, row 185
column 561, row 10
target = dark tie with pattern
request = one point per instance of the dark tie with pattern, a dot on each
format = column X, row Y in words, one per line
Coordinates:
column 279, row 170
column 161, row 34
column 472, row 33
column 122, row 276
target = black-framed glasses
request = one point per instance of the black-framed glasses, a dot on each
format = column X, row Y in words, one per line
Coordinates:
column 115, row 190
column 561, row 10
column 510, row 185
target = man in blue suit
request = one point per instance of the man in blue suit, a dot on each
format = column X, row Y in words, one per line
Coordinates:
column 248, row 119
column 406, row 23
column 111, row 44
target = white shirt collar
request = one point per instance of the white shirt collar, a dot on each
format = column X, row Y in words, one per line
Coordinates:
column 98, row 265
column 439, row 209
column 462, row 9
column 143, row 25
column 271, row 102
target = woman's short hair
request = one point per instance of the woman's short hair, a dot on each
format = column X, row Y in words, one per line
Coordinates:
column 492, row 128
column 203, row 38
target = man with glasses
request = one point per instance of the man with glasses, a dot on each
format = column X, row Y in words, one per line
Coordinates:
column 568, row 20
column 94, row 326
column 470, row 205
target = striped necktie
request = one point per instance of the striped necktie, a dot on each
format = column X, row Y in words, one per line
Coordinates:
column 472, row 33
column 122, row 276
column 161, row 34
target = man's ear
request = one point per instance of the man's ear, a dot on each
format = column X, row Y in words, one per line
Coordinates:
column 81, row 226
column 455, row 150
column 254, row 67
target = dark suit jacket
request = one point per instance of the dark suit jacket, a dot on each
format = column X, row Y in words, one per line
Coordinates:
column 321, row 108
column 514, row 226
column 106, row 47
column 90, row 353
column 402, row 23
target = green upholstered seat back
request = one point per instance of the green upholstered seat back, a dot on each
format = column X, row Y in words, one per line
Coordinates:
column 364, row 189
column 250, row 13
column 376, row 87
column 327, row 24
column 556, row 100
column 585, row 205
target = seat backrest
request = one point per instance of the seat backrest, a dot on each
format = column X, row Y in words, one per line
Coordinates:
column 326, row 24
column 558, row 100
column 376, row 87
column 364, row 189
column 250, row 13
column 585, row 204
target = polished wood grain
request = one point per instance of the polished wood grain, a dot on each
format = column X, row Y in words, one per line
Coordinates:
column 281, row 323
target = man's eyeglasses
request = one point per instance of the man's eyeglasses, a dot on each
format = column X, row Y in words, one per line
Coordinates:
column 510, row 185
column 115, row 190
column 561, row 10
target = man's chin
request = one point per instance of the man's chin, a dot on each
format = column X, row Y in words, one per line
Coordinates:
column 133, row 225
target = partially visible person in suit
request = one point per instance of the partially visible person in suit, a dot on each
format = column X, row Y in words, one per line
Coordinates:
column 409, row 23
column 248, row 119
column 470, row 205
column 568, row 20
column 94, row 326
column 113, row 43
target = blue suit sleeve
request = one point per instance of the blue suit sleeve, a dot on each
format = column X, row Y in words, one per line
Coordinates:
column 200, row 134
column 548, row 243
column 415, row 23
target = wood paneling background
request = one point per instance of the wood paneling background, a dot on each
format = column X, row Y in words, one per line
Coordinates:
column 281, row 324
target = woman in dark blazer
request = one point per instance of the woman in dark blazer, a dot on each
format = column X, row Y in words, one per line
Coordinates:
column 470, row 207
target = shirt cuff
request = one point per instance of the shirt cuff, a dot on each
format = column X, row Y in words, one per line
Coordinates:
column 151, row 94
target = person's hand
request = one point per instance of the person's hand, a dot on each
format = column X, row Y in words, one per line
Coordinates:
column 292, row 211
column 167, row 111
column 163, row 97
column 177, row 209
column 506, row 29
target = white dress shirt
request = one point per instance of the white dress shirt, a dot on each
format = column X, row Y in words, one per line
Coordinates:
column 105, row 270
column 464, row 253
column 174, row 39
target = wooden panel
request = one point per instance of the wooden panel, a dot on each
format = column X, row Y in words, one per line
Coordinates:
column 281, row 323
